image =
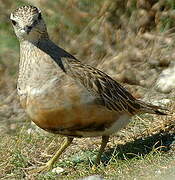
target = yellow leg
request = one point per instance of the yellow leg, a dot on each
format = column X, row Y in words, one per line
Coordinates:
column 50, row 163
column 104, row 142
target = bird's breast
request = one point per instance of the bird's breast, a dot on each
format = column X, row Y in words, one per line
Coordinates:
column 68, row 109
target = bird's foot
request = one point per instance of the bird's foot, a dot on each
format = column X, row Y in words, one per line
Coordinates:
column 41, row 169
column 94, row 167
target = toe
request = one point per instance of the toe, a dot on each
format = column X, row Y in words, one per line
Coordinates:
column 40, row 169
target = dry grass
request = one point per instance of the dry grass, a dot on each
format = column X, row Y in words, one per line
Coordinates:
column 142, row 145
column 131, row 41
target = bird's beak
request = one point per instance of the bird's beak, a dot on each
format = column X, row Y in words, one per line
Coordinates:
column 26, row 29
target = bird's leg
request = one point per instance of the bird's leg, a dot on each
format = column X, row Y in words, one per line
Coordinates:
column 50, row 163
column 67, row 143
column 104, row 142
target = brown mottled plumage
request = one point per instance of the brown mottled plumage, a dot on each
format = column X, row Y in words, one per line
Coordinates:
column 63, row 95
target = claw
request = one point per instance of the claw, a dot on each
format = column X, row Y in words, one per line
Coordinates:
column 41, row 169
column 48, row 166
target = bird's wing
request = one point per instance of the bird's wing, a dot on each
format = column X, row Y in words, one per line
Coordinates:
column 109, row 93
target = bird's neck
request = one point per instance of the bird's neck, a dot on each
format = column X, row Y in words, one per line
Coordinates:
column 35, row 37
column 35, row 64
column 41, row 58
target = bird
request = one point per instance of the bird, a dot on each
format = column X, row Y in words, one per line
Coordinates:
column 64, row 96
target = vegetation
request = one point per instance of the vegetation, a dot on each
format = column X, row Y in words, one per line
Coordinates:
column 132, row 41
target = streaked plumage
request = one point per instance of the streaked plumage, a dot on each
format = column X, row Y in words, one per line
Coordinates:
column 63, row 95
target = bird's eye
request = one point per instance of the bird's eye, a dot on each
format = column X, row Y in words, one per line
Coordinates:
column 35, row 23
column 39, row 16
column 14, row 22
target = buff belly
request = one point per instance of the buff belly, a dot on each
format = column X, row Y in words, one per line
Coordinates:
column 72, row 111
column 83, row 120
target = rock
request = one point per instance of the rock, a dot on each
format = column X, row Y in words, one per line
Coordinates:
column 93, row 177
column 166, row 80
column 58, row 170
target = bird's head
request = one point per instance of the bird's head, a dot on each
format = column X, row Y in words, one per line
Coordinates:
column 28, row 23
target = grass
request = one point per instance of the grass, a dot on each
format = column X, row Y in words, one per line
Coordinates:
column 109, row 36
column 131, row 154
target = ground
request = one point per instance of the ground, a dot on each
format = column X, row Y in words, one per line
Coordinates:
column 132, row 41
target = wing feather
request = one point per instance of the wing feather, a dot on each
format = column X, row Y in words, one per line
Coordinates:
column 109, row 92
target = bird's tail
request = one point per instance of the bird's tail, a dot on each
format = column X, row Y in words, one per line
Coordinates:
column 152, row 109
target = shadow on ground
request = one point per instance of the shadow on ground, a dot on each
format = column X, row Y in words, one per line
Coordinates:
column 162, row 141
